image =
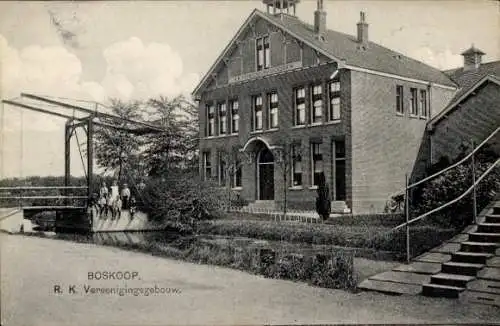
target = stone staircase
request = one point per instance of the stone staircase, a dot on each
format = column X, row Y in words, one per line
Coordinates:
column 473, row 272
column 466, row 267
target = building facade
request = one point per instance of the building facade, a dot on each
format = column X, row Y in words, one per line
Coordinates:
column 286, row 101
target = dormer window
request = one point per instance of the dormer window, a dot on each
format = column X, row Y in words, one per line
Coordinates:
column 263, row 53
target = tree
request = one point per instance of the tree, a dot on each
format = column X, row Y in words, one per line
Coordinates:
column 115, row 148
column 232, row 162
column 176, row 147
column 287, row 154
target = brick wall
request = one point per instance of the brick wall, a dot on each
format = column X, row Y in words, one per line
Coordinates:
column 284, row 85
column 385, row 145
column 476, row 118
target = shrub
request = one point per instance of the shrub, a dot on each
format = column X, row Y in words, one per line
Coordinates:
column 323, row 206
column 451, row 185
column 182, row 200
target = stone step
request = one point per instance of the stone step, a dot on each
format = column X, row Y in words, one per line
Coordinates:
column 471, row 257
column 489, row 273
column 451, row 279
column 472, row 246
column 480, row 297
column 460, row 268
column 437, row 290
column 492, row 218
column 390, row 287
column 496, row 209
column 487, row 286
column 484, row 237
column 419, row 267
column 488, row 228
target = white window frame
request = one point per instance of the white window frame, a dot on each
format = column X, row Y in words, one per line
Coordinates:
column 207, row 165
column 257, row 115
column 235, row 117
column 317, row 104
column 211, row 120
column 222, row 118
column 273, row 105
column 299, row 108
column 293, row 159
column 314, row 162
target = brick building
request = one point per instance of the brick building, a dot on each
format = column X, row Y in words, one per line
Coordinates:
column 288, row 101
column 473, row 113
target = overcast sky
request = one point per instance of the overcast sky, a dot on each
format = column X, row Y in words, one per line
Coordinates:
column 134, row 50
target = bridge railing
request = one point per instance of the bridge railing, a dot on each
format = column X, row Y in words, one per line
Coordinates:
column 43, row 196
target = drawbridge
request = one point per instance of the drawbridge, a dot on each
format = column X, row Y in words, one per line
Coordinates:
column 72, row 205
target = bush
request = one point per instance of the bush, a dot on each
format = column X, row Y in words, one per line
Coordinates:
column 332, row 270
column 182, row 200
column 451, row 185
column 323, row 206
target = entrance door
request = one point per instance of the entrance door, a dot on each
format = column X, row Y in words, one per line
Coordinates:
column 266, row 175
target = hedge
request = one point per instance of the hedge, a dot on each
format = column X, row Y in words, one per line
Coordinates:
column 377, row 238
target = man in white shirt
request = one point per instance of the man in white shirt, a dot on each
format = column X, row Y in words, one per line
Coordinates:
column 125, row 196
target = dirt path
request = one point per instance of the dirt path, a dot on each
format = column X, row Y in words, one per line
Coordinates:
column 199, row 294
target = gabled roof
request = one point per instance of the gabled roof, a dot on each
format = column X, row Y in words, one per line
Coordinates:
column 468, row 78
column 345, row 49
column 457, row 100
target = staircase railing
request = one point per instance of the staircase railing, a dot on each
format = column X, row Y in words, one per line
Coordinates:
column 472, row 188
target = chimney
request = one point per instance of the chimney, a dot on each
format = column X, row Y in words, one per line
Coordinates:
column 472, row 58
column 362, row 29
column 320, row 21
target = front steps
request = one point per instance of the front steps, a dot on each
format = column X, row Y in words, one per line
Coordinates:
column 466, row 267
column 473, row 272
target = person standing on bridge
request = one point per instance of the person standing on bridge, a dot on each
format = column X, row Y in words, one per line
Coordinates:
column 115, row 193
column 125, row 196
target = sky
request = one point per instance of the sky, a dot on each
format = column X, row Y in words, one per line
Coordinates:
column 99, row 50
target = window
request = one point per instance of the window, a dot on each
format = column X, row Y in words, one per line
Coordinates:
column 273, row 110
column 334, row 95
column 222, row 118
column 399, row 99
column 207, row 167
column 413, row 102
column 237, row 172
column 211, row 120
column 317, row 162
column 296, row 166
column 300, row 106
column 339, row 173
column 267, row 53
column 423, row 103
column 222, row 169
column 263, row 53
column 257, row 112
column 235, row 117
column 317, row 104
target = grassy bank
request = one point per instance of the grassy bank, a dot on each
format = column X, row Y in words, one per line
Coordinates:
column 375, row 238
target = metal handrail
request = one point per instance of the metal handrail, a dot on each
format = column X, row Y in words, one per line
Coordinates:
column 450, row 202
column 456, row 164
column 42, row 197
column 42, row 187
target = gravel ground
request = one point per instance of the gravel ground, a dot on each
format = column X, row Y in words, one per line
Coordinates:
column 199, row 294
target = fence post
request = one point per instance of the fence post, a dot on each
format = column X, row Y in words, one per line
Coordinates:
column 407, row 214
column 474, row 203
